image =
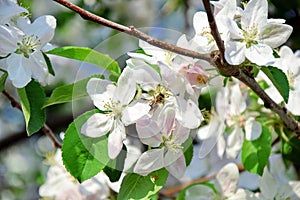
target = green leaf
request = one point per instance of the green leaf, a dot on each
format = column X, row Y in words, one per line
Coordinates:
column 32, row 98
column 188, row 150
column 135, row 186
column 114, row 168
column 279, row 79
column 49, row 65
column 67, row 93
column 255, row 154
column 88, row 55
column 291, row 150
column 3, row 80
column 83, row 157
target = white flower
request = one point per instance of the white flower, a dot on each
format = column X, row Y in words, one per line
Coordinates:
column 10, row 11
column 113, row 101
column 60, row 185
column 289, row 64
column 24, row 50
column 165, row 133
column 256, row 36
column 230, row 108
column 226, row 185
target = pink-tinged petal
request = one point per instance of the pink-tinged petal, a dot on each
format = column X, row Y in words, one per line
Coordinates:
column 43, row 27
column 180, row 133
column 190, row 116
column 97, row 125
column 7, row 40
column 149, row 161
column 126, row 87
column 134, row 111
column 227, row 179
column 260, row 54
column 178, row 167
column 255, row 14
column 234, row 142
column 100, row 91
column 274, row 34
column 39, row 67
column 210, row 134
column 149, row 132
column 293, row 104
column 167, row 117
column 18, row 68
column 253, row 129
column 235, row 52
column 115, row 139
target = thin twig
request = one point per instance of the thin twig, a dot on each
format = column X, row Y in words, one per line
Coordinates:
column 45, row 128
column 216, row 57
column 131, row 30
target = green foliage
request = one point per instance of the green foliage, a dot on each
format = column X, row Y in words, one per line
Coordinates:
column 279, row 79
column 32, row 98
column 3, row 80
column 188, row 150
column 291, row 150
column 71, row 92
column 255, row 154
column 135, row 186
column 49, row 65
column 83, row 157
column 90, row 56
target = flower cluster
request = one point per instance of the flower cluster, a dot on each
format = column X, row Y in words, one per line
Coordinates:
column 22, row 43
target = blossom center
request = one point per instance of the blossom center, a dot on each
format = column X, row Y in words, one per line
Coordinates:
column 170, row 144
column 250, row 35
column 28, row 45
column 159, row 96
column 115, row 108
column 291, row 78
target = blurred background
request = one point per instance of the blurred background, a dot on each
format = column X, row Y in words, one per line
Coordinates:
column 21, row 158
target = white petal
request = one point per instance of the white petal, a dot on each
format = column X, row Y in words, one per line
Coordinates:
column 267, row 184
column 252, row 129
column 146, row 76
column 215, row 130
column 149, row 161
column 200, row 22
column 274, row 34
column 9, row 9
column 39, row 67
column 100, row 91
column 234, row 143
column 237, row 101
column 7, row 40
column 191, row 116
column 227, row 179
column 235, row 52
column 242, row 194
column 126, row 87
column 255, row 14
column 149, row 132
column 18, row 69
column 134, row 111
column 293, row 104
column 115, row 139
column 176, row 168
column 235, row 32
column 260, row 54
column 97, row 125
column 43, row 27
column 200, row 192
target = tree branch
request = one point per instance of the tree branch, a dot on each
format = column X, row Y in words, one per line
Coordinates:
column 216, row 57
column 131, row 30
column 45, row 128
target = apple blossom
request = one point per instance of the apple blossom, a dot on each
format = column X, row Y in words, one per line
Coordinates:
column 166, row 135
column 9, row 11
column 256, row 36
column 23, row 49
column 113, row 101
